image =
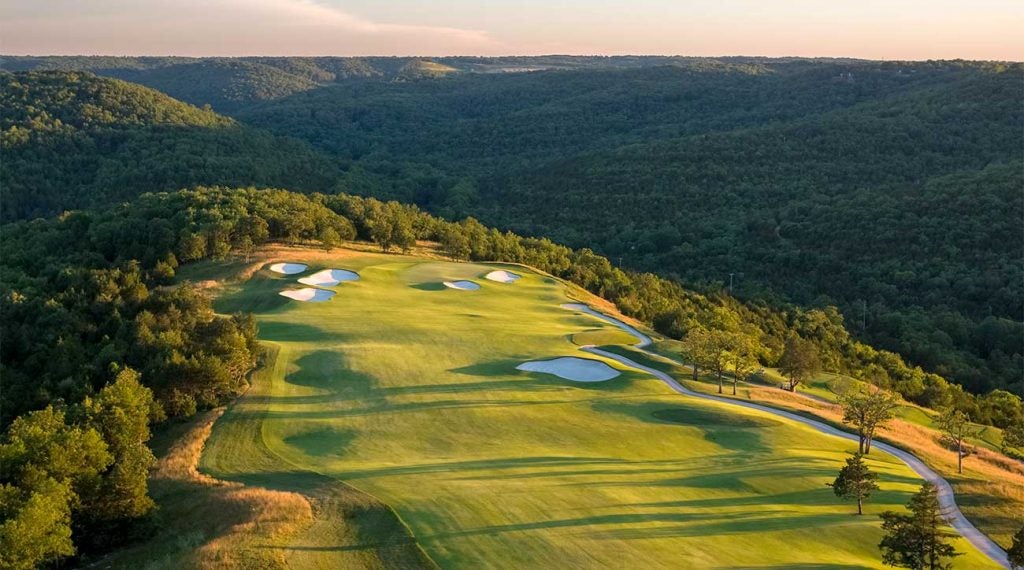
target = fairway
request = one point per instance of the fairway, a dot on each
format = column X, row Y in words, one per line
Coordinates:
column 406, row 391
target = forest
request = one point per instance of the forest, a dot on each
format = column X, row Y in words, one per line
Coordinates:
column 717, row 169
column 71, row 140
column 889, row 190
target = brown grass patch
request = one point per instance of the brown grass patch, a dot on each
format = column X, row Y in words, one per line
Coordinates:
column 204, row 522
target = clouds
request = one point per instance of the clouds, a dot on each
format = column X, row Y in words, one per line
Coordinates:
column 219, row 27
column 880, row 29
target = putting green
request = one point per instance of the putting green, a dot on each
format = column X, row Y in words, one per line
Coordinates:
column 408, row 393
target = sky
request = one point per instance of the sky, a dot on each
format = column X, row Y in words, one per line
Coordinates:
column 870, row 29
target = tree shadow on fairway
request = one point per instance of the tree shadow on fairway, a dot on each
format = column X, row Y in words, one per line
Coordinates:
column 503, row 367
column 762, row 521
column 735, row 432
column 687, row 524
column 321, row 442
column 429, row 286
column 803, row 497
column 799, row 567
column 258, row 295
column 487, row 386
column 283, row 331
column 325, row 370
column 488, row 465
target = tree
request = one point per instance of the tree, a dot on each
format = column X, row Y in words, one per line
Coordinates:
column 47, row 465
column 1016, row 551
column 404, row 236
column 718, row 353
column 799, row 361
column 855, row 481
column 454, row 243
column 246, row 247
column 36, row 529
column 956, row 425
column 917, row 540
column 329, row 237
column 696, row 348
column 744, row 352
column 121, row 412
column 382, row 230
column 867, row 411
column 1013, row 436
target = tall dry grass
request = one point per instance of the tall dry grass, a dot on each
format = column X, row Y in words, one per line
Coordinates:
column 205, row 522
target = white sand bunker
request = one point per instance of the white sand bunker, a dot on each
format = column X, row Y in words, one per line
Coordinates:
column 572, row 368
column 288, row 268
column 309, row 294
column 329, row 277
column 502, row 276
column 463, row 285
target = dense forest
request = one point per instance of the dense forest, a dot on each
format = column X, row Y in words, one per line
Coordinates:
column 891, row 190
column 230, row 84
column 888, row 189
column 71, row 140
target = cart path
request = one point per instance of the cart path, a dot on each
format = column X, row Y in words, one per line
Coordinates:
column 947, row 501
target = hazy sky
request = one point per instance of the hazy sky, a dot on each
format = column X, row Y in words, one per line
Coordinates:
column 877, row 29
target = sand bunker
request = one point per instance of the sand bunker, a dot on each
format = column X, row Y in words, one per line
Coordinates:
column 288, row 268
column 463, row 285
column 308, row 294
column 502, row 276
column 572, row 368
column 329, row 277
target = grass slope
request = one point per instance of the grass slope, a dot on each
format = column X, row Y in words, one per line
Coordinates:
column 990, row 492
column 409, row 395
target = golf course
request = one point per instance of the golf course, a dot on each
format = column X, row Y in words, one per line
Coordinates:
column 443, row 414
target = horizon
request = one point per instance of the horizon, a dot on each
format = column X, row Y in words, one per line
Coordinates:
column 508, row 55
column 899, row 30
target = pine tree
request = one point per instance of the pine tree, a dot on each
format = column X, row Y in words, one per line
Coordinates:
column 917, row 540
column 855, row 481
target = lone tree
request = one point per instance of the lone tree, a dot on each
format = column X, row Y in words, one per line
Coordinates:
column 799, row 361
column 866, row 412
column 1016, row 551
column 917, row 540
column 956, row 425
column 855, row 481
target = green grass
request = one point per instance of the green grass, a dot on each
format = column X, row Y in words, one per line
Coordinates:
column 407, row 396
column 601, row 337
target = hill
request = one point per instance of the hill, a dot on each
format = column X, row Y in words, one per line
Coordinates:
column 94, row 312
column 491, row 466
column 72, row 139
column 705, row 168
column 230, row 84
column 743, row 166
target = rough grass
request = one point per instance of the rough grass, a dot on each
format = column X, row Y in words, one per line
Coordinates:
column 405, row 403
column 204, row 522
